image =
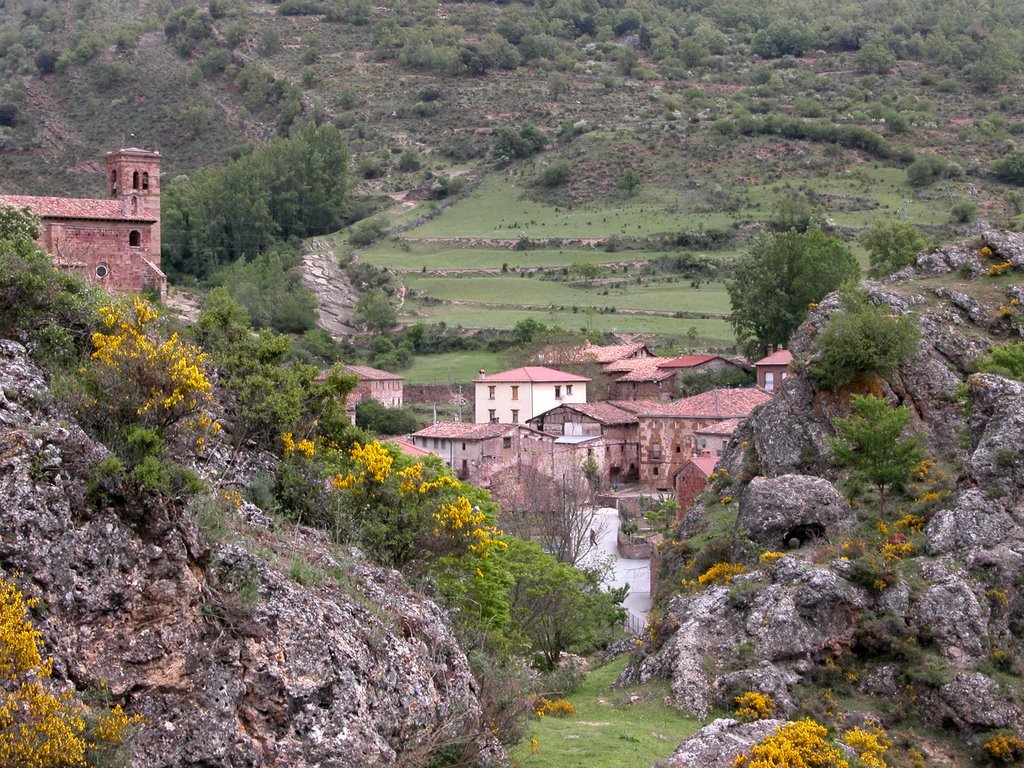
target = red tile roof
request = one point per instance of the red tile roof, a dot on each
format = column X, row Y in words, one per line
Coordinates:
column 408, row 448
column 690, row 361
column 366, row 373
column 781, row 357
column 603, row 413
column 714, row 404
column 534, row 373
column 720, row 428
column 73, row 208
column 464, row 430
column 636, row 406
column 706, row 464
column 640, row 369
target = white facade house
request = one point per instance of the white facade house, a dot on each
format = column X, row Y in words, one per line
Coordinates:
column 512, row 397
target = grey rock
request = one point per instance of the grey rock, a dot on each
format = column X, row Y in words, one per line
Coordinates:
column 958, row 257
column 950, row 614
column 231, row 662
column 718, row 744
column 974, row 522
column 975, row 700
column 996, row 423
column 1006, row 245
column 775, row 510
column 767, row 678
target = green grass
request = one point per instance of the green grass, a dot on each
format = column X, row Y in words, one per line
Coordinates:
column 668, row 297
column 712, row 331
column 497, row 209
column 607, row 730
column 415, row 255
column 450, row 367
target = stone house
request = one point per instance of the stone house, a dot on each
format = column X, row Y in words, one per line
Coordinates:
column 383, row 386
column 713, row 438
column 640, row 378
column 668, row 432
column 514, row 397
column 477, row 453
column 773, row 369
column 690, row 480
column 114, row 242
column 688, row 365
column 615, row 422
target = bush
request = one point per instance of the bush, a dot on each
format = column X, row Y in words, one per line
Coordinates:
column 928, row 169
column 892, row 246
column 46, row 60
column 1004, row 360
column 863, row 340
column 374, row 417
column 8, row 114
column 556, row 173
column 963, row 212
column 1010, row 167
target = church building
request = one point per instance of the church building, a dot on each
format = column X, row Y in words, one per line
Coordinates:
column 114, row 242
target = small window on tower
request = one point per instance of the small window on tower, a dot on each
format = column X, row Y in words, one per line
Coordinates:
column 135, row 180
column 134, row 238
column 145, row 180
column 113, row 182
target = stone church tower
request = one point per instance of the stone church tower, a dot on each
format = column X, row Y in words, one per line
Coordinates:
column 133, row 177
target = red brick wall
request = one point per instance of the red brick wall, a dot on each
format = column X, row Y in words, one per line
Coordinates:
column 690, row 483
column 104, row 243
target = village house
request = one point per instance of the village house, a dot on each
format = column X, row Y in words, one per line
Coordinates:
column 383, row 386
column 690, row 365
column 479, row 452
column 114, row 242
column 713, row 438
column 591, row 360
column 640, row 378
column 616, row 422
column 668, row 432
column 773, row 369
column 691, row 479
column 513, row 397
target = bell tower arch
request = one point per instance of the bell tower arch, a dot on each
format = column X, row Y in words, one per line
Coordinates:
column 133, row 177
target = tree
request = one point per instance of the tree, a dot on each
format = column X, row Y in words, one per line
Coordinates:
column 375, row 311
column 863, row 340
column 630, row 183
column 375, row 417
column 877, row 58
column 892, row 245
column 869, row 443
column 556, row 173
column 778, row 277
column 1010, row 167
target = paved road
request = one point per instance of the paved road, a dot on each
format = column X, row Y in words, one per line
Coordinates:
column 636, row 573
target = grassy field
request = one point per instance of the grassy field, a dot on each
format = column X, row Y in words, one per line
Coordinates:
column 608, row 730
column 450, row 367
column 498, row 209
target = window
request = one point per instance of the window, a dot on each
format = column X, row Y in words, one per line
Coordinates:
column 515, row 416
column 135, row 180
column 134, row 238
column 102, row 270
column 506, row 442
column 113, row 182
column 145, row 180
column 568, row 389
column 515, row 392
column 492, row 415
column 656, row 452
column 678, row 448
column 490, row 392
column 558, row 392
column 656, row 471
column 769, row 380
column 463, row 446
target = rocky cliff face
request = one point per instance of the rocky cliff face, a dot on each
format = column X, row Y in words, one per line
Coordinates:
column 233, row 662
column 934, row 635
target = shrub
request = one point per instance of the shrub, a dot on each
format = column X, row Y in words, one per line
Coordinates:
column 963, row 212
column 720, row 573
column 863, row 340
column 801, row 744
column 556, row 173
column 545, row 707
column 754, row 706
column 1006, row 748
column 928, row 169
column 374, row 417
column 870, row 744
column 1004, row 360
column 892, row 245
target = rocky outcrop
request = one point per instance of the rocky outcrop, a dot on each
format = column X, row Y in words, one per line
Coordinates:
column 920, row 616
column 718, row 744
column 232, row 661
column 791, row 510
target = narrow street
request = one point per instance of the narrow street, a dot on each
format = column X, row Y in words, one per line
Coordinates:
column 635, row 573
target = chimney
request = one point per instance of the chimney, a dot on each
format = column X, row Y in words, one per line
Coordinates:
column 706, row 453
column 771, row 349
column 482, row 373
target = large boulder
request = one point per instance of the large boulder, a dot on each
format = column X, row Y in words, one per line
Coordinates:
column 973, row 700
column 777, row 511
column 996, row 423
column 719, row 743
column 950, row 615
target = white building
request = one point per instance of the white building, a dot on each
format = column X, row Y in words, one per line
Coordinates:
column 512, row 397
